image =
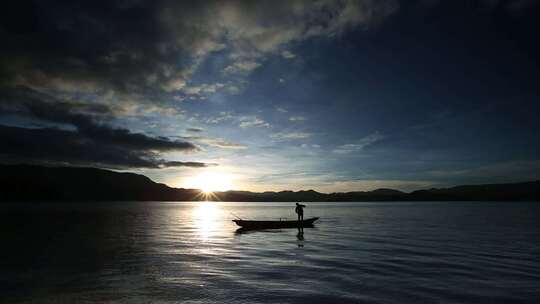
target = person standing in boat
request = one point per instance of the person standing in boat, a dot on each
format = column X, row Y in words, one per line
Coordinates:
column 300, row 211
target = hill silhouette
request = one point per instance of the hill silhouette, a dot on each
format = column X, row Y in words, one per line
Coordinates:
column 27, row 182
column 39, row 183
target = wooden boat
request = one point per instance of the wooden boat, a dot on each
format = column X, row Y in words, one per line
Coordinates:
column 275, row 224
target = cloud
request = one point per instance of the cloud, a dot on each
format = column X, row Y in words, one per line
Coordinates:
column 297, row 118
column 215, row 142
column 290, row 135
column 186, row 164
column 200, row 91
column 174, row 84
column 315, row 146
column 223, row 116
column 86, row 119
column 505, row 171
column 266, row 26
column 195, row 130
column 55, row 146
column 243, row 67
column 360, row 145
column 247, row 121
column 86, row 137
column 252, row 121
column 89, row 69
column 288, row 55
column 154, row 47
column 373, row 184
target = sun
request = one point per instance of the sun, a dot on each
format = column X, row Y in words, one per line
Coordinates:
column 210, row 181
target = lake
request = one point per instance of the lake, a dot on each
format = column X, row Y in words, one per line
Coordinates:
column 180, row 252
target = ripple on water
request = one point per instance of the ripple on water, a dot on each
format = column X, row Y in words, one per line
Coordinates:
column 190, row 253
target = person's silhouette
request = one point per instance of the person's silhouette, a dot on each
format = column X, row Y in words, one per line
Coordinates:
column 300, row 211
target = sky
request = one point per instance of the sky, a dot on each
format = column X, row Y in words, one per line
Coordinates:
column 276, row 95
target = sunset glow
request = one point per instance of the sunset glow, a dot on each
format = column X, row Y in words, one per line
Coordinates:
column 210, row 182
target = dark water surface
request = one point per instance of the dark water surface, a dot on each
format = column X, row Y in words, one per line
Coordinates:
column 444, row 252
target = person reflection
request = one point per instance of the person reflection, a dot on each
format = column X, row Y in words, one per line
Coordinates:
column 300, row 236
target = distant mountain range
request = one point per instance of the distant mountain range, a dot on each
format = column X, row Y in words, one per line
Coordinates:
column 38, row 183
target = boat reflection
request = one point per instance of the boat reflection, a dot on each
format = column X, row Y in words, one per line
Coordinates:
column 299, row 236
column 244, row 230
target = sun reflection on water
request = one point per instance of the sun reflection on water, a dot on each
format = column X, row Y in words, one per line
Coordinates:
column 206, row 216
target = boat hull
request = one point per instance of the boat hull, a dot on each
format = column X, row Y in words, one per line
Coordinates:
column 275, row 224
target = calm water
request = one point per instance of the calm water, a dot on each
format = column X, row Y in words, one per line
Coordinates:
column 190, row 253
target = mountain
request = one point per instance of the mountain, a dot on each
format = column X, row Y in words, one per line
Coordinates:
column 26, row 182
column 489, row 192
column 38, row 183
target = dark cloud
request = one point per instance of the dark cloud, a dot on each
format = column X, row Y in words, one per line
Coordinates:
column 126, row 53
column 214, row 142
column 77, row 78
column 76, row 46
column 153, row 47
column 187, row 164
column 83, row 135
column 55, row 146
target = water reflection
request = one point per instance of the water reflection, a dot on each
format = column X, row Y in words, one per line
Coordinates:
column 206, row 218
column 300, row 236
column 244, row 230
column 169, row 252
